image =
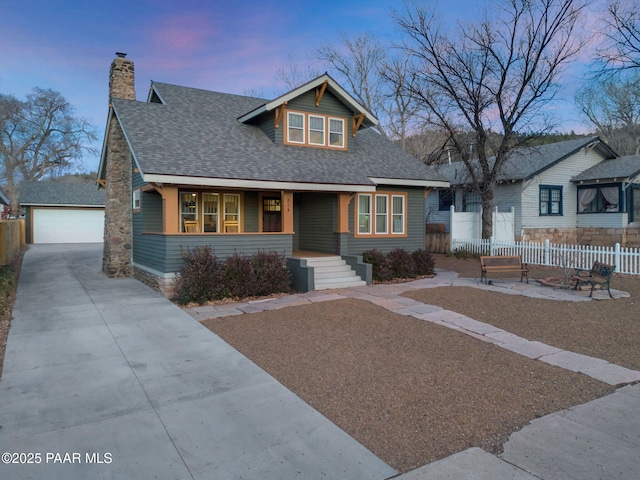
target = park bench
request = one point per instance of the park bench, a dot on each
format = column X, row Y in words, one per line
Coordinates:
column 599, row 275
column 503, row 264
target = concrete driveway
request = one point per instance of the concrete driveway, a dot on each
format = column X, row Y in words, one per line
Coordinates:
column 105, row 378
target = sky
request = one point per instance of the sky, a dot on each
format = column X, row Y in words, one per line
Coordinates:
column 227, row 46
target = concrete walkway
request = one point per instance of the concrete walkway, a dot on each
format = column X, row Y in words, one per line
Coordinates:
column 107, row 379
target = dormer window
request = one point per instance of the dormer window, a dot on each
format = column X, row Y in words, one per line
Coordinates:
column 314, row 130
column 336, row 132
column 295, row 127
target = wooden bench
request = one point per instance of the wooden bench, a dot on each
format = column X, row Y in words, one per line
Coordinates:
column 600, row 274
column 503, row 264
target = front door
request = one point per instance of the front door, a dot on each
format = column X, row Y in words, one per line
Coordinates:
column 271, row 214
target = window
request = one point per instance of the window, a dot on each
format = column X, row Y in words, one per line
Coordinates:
column 210, row 211
column 387, row 214
column 231, row 212
column 295, row 127
column 136, row 199
column 398, row 214
column 364, row 214
column 446, row 198
column 550, row 200
column 600, row 199
column 316, row 130
column 382, row 218
column 188, row 208
column 336, row 132
column 471, row 202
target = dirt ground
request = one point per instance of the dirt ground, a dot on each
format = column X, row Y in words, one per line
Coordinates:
column 414, row 392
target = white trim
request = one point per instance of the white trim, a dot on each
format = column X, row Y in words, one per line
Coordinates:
column 323, row 131
column 333, row 87
column 256, row 184
column 343, row 132
column 302, row 129
column 409, row 183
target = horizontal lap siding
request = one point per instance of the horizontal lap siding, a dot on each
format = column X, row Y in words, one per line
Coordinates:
column 415, row 238
column 224, row 246
column 316, row 222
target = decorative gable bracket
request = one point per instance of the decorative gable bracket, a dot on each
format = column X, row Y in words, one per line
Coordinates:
column 320, row 92
column 356, row 122
column 280, row 113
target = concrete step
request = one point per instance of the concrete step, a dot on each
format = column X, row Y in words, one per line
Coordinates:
column 354, row 283
column 325, row 262
column 328, row 272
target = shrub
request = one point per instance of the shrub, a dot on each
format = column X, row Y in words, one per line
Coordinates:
column 200, row 278
column 423, row 262
column 401, row 263
column 381, row 271
column 238, row 276
column 270, row 274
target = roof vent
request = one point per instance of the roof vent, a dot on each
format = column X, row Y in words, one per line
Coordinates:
column 121, row 55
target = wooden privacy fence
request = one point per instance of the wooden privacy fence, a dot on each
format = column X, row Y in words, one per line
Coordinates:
column 626, row 260
column 12, row 240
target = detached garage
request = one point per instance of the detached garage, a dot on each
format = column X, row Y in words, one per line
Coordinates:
column 59, row 212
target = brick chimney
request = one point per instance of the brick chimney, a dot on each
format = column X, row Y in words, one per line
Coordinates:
column 117, row 255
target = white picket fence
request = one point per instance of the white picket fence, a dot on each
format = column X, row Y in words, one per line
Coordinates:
column 626, row 260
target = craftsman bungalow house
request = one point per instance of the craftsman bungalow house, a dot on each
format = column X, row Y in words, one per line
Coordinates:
column 576, row 191
column 304, row 174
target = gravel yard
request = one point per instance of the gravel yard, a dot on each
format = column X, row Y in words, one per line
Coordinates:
column 413, row 392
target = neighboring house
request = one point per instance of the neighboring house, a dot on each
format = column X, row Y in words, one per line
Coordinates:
column 60, row 212
column 303, row 174
column 5, row 206
column 577, row 191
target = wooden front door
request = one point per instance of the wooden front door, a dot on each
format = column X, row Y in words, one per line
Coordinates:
column 271, row 214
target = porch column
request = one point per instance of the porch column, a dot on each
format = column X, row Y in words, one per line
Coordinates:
column 344, row 200
column 170, row 209
column 287, row 212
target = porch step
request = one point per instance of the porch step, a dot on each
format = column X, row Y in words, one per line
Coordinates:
column 333, row 272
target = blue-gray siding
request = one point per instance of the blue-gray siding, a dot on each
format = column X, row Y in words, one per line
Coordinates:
column 415, row 238
column 315, row 221
column 163, row 253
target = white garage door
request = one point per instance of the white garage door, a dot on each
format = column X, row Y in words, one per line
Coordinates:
column 67, row 225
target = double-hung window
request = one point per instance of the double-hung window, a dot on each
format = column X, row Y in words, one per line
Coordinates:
column 316, row 130
column 397, row 214
column 295, row 127
column 210, row 211
column 336, row 132
column 188, row 207
column 381, row 214
column 550, row 200
column 364, row 214
column 136, row 199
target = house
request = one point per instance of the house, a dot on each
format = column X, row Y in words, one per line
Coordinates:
column 62, row 212
column 304, row 174
column 576, row 191
column 5, row 206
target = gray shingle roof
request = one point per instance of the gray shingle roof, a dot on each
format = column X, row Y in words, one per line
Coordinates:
column 61, row 193
column 620, row 168
column 197, row 134
column 524, row 163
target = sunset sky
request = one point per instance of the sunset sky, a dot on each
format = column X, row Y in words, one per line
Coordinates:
column 229, row 46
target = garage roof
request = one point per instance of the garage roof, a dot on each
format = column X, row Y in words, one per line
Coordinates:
column 85, row 194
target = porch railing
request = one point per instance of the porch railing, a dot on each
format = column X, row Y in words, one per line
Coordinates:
column 626, row 260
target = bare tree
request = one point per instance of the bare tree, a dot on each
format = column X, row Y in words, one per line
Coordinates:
column 496, row 75
column 38, row 137
column 621, row 47
column 613, row 107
